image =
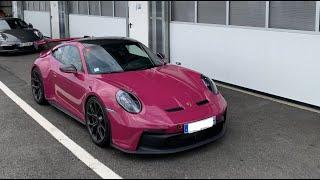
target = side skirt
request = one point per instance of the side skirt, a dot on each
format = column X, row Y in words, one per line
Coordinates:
column 66, row 112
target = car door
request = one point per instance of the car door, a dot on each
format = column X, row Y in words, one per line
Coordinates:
column 55, row 63
column 70, row 87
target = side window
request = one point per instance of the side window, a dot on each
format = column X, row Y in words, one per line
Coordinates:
column 22, row 23
column 71, row 55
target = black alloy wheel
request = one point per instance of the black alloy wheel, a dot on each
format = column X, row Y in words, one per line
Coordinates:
column 97, row 122
column 37, row 87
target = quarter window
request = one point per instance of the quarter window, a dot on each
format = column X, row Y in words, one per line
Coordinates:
column 58, row 54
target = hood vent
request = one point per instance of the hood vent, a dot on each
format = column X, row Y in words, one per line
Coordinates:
column 203, row 102
column 174, row 109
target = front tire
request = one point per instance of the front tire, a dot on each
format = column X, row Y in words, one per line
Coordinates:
column 97, row 122
column 37, row 87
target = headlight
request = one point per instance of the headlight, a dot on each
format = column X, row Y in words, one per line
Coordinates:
column 38, row 33
column 3, row 37
column 210, row 84
column 128, row 102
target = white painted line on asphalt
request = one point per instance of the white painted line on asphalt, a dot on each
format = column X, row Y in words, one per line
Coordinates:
column 102, row 170
column 271, row 99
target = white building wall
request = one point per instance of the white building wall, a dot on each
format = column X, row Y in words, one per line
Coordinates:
column 139, row 18
column 80, row 25
column 40, row 20
column 284, row 63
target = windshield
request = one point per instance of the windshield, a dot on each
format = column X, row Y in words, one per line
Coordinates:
column 16, row 24
column 119, row 57
column 4, row 25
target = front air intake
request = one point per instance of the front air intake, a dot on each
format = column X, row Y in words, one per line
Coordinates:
column 174, row 109
column 203, row 102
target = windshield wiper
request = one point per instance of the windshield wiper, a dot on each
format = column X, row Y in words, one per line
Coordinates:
column 143, row 68
column 147, row 68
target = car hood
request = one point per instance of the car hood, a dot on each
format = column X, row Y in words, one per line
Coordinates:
column 165, row 87
column 23, row 35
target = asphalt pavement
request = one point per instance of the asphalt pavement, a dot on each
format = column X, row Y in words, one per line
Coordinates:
column 264, row 139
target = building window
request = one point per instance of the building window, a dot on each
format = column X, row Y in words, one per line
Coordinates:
column 43, row 5
column 183, row 11
column 107, row 8
column 37, row 5
column 97, row 8
column 83, row 7
column 297, row 15
column 94, row 7
column 47, row 5
column 248, row 13
column 29, row 5
column 213, row 12
column 73, row 7
column 120, row 8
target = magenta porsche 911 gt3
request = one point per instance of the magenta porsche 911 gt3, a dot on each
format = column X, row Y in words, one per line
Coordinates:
column 128, row 97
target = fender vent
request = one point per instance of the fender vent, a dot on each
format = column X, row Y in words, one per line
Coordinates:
column 200, row 103
column 174, row 109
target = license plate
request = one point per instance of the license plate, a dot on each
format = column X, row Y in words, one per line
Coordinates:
column 26, row 44
column 199, row 125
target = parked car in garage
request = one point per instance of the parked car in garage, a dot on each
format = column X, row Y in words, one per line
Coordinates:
column 18, row 36
column 129, row 97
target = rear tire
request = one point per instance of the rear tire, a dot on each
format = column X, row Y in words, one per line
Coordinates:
column 37, row 87
column 97, row 122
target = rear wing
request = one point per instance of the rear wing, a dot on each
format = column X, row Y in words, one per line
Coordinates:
column 45, row 45
column 49, row 43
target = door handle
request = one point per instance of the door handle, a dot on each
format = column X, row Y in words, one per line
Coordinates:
column 178, row 63
column 130, row 24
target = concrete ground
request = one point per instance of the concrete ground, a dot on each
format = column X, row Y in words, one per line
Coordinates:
column 264, row 139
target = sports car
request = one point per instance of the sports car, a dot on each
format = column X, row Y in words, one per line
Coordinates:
column 128, row 97
column 18, row 36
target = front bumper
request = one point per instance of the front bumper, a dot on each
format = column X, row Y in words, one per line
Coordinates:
column 156, row 143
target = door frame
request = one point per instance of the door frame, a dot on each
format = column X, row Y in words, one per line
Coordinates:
column 139, row 20
column 165, row 18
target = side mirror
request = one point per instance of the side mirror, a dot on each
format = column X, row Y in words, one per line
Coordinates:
column 30, row 25
column 68, row 68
